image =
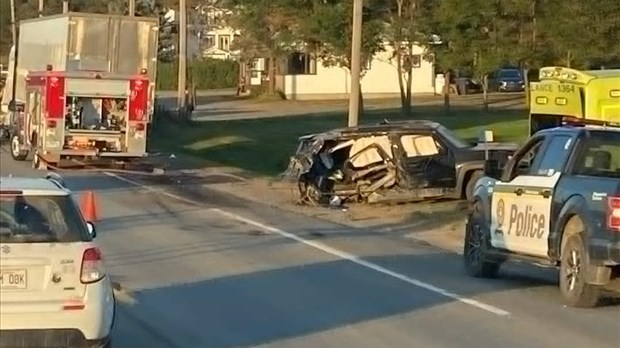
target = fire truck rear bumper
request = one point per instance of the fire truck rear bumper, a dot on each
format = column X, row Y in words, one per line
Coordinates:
column 94, row 153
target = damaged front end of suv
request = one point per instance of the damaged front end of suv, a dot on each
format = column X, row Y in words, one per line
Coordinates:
column 345, row 167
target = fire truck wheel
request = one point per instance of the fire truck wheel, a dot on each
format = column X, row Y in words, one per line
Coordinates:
column 16, row 152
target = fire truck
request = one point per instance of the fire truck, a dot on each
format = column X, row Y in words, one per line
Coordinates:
column 82, row 115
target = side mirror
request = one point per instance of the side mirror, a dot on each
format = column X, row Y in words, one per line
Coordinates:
column 492, row 169
column 91, row 229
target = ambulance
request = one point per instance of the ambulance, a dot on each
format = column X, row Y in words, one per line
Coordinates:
column 568, row 96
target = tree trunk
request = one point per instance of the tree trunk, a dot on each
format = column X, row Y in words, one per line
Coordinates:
column 526, row 82
column 408, row 96
column 272, row 75
column 361, row 105
column 446, row 91
column 485, row 92
column 401, row 83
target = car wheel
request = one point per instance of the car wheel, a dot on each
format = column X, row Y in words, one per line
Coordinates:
column 574, row 261
column 476, row 246
column 471, row 184
column 16, row 152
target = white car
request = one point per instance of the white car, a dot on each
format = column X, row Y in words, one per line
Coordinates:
column 54, row 291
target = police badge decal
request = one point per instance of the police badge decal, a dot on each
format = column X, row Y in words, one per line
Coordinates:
column 500, row 216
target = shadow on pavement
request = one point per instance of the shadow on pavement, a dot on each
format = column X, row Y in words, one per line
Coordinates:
column 256, row 308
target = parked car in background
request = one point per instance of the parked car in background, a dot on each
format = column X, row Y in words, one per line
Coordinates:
column 507, row 80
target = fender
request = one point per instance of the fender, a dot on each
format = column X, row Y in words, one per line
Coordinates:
column 462, row 171
column 482, row 194
column 575, row 205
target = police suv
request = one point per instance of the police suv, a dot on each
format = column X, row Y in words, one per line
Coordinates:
column 54, row 291
column 556, row 202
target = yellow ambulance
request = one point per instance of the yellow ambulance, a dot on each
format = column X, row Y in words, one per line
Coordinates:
column 569, row 96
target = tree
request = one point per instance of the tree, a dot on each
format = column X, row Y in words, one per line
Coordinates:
column 327, row 30
column 476, row 35
column 582, row 33
column 267, row 30
column 406, row 28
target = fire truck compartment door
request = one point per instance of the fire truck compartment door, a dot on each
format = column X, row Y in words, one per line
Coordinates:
column 97, row 88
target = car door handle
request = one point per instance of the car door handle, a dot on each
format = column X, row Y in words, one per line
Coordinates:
column 545, row 193
column 519, row 191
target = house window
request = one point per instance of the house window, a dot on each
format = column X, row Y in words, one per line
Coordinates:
column 224, row 43
column 411, row 60
column 209, row 41
column 300, row 63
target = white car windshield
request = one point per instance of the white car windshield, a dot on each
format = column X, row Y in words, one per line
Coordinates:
column 44, row 219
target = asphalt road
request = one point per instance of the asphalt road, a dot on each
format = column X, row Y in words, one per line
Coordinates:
column 199, row 269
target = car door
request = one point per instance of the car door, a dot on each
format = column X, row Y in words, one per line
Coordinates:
column 426, row 161
column 522, row 200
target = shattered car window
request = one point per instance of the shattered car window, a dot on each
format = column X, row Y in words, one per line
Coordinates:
column 452, row 138
column 363, row 155
column 419, row 145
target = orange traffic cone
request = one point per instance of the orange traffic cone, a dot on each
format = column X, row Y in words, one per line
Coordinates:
column 89, row 207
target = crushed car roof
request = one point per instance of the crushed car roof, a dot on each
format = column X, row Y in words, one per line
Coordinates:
column 384, row 127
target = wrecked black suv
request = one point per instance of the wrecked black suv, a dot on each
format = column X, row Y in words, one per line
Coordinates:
column 389, row 162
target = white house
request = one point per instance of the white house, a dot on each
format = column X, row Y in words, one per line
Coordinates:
column 307, row 78
column 217, row 43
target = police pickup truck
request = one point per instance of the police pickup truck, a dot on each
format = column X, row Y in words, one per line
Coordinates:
column 555, row 203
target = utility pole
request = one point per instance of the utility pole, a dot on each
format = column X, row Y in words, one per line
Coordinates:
column 182, row 54
column 356, row 53
column 132, row 7
column 41, row 5
column 13, row 101
column 65, row 6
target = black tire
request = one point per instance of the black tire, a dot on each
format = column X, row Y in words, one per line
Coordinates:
column 475, row 246
column 470, row 185
column 36, row 160
column 575, row 290
column 16, row 153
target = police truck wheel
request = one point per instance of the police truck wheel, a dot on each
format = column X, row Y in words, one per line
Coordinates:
column 476, row 244
column 575, row 290
column 471, row 184
column 16, row 152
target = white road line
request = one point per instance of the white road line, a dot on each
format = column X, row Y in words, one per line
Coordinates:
column 329, row 250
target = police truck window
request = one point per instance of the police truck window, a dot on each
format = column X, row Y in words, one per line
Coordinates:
column 555, row 155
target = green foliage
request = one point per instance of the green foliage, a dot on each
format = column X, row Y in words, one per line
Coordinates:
column 582, row 33
column 478, row 35
column 327, row 27
column 205, row 74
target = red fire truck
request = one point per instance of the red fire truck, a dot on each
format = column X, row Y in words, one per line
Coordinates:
column 83, row 116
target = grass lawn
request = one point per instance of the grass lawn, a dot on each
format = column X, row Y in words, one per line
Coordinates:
column 264, row 145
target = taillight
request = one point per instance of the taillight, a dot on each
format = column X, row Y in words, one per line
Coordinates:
column 613, row 213
column 92, row 266
column 51, row 124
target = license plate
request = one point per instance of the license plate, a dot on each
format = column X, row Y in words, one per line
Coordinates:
column 13, row 279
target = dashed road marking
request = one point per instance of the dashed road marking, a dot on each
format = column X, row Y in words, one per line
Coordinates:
column 329, row 250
